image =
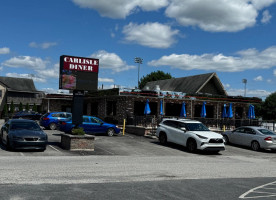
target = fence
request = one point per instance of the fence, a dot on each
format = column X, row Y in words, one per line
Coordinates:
column 219, row 124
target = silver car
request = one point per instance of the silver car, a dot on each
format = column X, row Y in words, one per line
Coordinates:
column 251, row 136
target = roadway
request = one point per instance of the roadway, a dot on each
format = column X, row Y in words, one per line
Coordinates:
column 132, row 167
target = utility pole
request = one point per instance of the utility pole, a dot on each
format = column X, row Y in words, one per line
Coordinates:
column 244, row 81
column 139, row 61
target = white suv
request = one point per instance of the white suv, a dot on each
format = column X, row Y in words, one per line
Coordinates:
column 189, row 133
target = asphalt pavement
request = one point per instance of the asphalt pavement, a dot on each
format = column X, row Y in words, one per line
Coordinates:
column 135, row 167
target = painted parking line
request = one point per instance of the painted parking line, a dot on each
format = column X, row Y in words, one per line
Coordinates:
column 21, row 154
column 54, row 148
column 263, row 191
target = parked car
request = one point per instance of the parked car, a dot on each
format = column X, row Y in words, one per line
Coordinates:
column 23, row 134
column 189, row 133
column 251, row 136
column 90, row 125
column 27, row 115
column 51, row 120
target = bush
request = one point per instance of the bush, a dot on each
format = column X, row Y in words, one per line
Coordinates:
column 78, row 131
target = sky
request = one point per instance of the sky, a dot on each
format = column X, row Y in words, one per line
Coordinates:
column 234, row 38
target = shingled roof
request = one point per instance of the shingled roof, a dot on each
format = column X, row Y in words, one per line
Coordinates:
column 203, row 83
column 18, row 84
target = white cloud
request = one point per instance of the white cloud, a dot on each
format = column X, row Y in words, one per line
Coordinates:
column 266, row 17
column 4, row 50
column 30, row 76
column 226, row 85
column 245, row 60
column 106, row 80
column 120, row 9
column 274, row 72
column 40, row 67
column 260, row 4
column 44, row 45
column 269, row 80
column 111, row 61
column 258, row 78
column 54, row 91
column 26, row 61
column 154, row 35
column 217, row 15
column 249, row 93
column 213, row 15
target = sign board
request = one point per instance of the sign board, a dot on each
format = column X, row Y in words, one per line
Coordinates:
column 78, row 73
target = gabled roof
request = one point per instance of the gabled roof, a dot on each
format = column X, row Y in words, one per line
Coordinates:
column 18, row 84
column 191, row 84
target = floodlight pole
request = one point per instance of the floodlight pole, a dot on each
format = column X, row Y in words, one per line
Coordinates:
column 139, row 61
column 244, row 81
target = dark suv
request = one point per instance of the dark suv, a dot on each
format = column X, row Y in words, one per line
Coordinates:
column 51, row 120
column 27, row 115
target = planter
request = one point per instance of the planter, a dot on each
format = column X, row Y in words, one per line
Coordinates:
column 77, row 142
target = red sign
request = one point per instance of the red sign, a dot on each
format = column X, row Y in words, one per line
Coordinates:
column 78, row 73
column 80, row 64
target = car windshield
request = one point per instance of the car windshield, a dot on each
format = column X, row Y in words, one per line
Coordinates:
column 25, row 125
column 196, row 127
column 266, row 132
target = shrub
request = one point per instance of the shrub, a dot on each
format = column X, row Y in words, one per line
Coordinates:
column 78, row 131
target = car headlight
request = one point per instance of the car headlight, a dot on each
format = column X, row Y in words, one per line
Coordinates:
column 201, row 137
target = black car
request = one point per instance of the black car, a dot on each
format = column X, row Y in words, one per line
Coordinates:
column 23, row 134
column 27, row 115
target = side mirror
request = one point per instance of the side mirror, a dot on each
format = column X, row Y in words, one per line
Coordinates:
column 183, row 129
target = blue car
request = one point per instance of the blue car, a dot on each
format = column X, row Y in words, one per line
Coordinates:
column 51, row 120
column 92, row 125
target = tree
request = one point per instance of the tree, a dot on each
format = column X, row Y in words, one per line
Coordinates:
column 34, row 108
column 154, row 76
column 269, row 107
column 20, row 106
column 5, row 111
column 12, row 108
column 27, row 107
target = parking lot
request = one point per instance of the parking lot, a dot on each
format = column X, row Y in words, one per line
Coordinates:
column 129, row 145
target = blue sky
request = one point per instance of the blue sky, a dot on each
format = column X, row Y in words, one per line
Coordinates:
column 234, row 38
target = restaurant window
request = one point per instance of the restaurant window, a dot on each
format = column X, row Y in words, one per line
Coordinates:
column 172, row 109
column 94, row 109
column 111, row 108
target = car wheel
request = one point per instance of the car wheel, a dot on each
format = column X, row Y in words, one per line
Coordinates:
column 110, row 132
column 163, row 138
column 255, row 146
column 53, row 126
column 191, row 145
column 225, row 139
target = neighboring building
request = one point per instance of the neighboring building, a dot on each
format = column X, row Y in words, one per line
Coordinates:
column 19, row 90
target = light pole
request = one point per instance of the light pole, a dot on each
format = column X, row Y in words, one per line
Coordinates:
column 244, row 81
column 139, row 61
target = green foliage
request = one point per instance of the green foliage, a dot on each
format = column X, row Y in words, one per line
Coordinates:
column 154, row 76
column 34, row 108
column 12, row 108
column 269, row 107
column 78, row 131
column 5, row 110
column 27, row 107
column 20, row 106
